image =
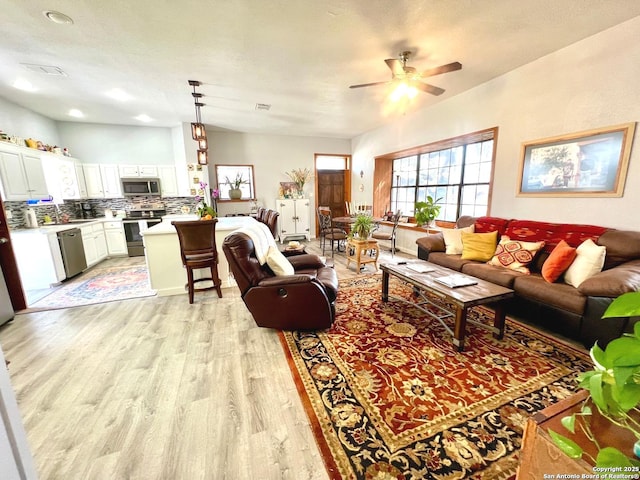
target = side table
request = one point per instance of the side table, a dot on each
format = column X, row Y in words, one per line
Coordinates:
column 293, row 251
column 357, row 252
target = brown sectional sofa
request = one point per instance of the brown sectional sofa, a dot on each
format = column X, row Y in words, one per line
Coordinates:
column 573, row 312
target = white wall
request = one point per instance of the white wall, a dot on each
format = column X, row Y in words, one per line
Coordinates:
column 100, row 143
column 271, row 156
column 21, row 122
column 590, row 84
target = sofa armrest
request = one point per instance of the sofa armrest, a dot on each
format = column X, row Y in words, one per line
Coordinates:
column 432, row 243
column 306, row 261
column 284, row 280
column 614, row 281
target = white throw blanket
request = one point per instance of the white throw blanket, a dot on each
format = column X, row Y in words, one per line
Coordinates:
column 262, row 239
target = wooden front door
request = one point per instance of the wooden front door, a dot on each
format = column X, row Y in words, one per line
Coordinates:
column 331, row 191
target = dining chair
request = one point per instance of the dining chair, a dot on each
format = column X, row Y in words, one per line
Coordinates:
column 389, row 235
column 328, row 231
column 198, row 250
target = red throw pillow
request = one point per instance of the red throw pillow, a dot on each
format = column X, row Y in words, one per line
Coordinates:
column 558, row 261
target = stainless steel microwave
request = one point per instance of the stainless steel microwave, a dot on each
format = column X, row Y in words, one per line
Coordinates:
column 140, row 186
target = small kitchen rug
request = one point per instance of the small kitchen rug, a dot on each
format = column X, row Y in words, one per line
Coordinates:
column 99, row 285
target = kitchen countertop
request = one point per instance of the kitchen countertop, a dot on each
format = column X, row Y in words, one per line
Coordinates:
column 61, row 227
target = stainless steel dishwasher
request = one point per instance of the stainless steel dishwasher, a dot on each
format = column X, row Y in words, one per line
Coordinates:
column 72, row 251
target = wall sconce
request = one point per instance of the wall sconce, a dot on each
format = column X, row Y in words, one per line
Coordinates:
column 203, row 157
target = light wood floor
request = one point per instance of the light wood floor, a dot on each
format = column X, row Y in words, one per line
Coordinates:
column 155, row 388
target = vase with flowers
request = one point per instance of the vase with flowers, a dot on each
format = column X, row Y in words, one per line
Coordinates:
column 235, row 192
column 300, row 176
column 205, row 212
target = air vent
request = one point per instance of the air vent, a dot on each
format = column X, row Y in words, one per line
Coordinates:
column 262, row 106
column 46, row 69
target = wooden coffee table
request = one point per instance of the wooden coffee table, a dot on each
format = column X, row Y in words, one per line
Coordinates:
column 482, row 293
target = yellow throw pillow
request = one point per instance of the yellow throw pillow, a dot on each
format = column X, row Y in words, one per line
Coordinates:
column 479, row 246
column 515, row 254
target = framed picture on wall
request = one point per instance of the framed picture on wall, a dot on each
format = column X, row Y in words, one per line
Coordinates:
column 590, row 163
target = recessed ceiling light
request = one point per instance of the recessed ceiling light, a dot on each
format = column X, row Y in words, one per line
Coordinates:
column 57, row 17
column 74, row 112
column 22, row 84
column 118, row 94
column 143, row 118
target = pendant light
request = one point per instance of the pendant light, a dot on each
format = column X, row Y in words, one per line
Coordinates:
column 198, row 132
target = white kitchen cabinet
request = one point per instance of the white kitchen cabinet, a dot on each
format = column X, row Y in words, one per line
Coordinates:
column 111, row 181
column 116, row 240
column 95, row 243
column 93, row 180
column 22, row 174
column 294, row 219
column 62, row 177
column 138, row 171
column 102, row 181
column 168, row 180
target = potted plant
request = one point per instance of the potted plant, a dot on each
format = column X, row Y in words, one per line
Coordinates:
column 426, row 212
column 362, row 226
column 300, row 176
column 614, row 389
column 235, row 192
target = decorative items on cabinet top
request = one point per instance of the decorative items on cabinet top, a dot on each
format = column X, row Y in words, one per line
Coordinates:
column 35, row 144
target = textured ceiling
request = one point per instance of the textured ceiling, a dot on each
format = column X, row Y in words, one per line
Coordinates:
column 297, row 56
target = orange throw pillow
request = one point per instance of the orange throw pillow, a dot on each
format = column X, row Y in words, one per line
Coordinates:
column 559, row 260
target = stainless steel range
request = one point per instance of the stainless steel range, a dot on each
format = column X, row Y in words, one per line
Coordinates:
column 138, row 219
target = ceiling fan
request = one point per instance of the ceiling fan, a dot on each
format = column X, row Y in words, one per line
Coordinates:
column 401, row 72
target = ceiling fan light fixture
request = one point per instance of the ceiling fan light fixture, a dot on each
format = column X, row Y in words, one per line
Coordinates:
column 403, row 90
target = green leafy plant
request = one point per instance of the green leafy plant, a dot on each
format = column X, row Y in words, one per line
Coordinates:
column 362, row 226
column 427, row 212
column 614, row 389
column 235, row 183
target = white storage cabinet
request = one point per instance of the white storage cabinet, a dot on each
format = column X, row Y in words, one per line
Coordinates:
column 294, row 219
column 116, row 240
column 138, row 171
column 95, row 243
column 102, row 181
column 22, row 174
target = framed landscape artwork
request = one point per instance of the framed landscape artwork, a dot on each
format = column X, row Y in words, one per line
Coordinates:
column 592, row 163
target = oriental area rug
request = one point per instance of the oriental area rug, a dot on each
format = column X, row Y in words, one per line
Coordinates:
column 99, row 285
column 389, row 396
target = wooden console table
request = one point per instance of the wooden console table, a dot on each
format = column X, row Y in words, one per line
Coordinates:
column 357, row 252
column 539, row 456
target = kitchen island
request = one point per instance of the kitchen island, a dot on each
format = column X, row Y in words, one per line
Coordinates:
column 162, row 253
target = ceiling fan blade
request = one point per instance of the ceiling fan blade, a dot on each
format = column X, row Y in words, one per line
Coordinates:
column 395, row 65
column 449, row 67
column 425, row 87
column 367, row 84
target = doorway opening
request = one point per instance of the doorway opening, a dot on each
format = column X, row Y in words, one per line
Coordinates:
column 333, row 183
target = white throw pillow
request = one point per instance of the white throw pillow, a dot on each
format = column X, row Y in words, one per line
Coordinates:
column 278, row 262
column 589, row 261
column 453, row 239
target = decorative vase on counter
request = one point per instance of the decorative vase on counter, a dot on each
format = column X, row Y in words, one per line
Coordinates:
column 235, row 193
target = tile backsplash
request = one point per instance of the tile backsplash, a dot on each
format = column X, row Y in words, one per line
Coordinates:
column 73, row 208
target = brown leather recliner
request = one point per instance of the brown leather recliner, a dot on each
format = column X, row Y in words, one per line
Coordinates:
column 272, row 222
column 303, row 301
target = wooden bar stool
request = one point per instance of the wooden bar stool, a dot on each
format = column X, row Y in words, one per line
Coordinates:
column 198, row 250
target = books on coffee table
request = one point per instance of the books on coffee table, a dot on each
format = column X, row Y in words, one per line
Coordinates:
column 420, row 267
column 456, row 280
